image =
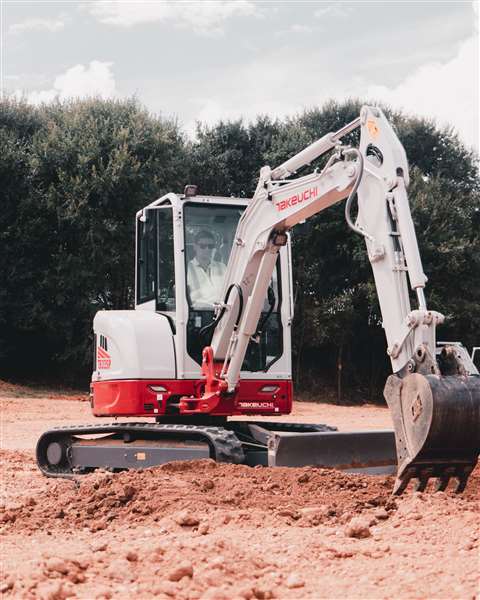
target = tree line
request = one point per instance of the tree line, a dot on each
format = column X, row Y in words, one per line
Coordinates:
column 73, row 174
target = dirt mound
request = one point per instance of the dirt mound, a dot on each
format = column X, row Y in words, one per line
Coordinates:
column 197, row 530
column 189, row 493
column 200, row 488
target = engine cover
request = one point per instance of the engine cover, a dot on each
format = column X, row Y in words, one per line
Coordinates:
column 133, row 344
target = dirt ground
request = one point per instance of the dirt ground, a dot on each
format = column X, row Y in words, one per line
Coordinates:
column 201, row 530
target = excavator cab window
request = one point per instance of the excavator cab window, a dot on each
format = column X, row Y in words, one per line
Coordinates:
column 209, row 234
column 155, row 256
column 146, row 256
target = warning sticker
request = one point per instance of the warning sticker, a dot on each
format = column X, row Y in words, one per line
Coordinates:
column 373, row 128
column 103, row 359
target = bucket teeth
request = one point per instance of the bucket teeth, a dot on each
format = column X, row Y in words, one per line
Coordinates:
column 422, row 479
column 422, row 475
column 443, row 479
column 462, row 478
column 402, row 482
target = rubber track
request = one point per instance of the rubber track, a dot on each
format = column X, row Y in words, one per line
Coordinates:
column 224, row 444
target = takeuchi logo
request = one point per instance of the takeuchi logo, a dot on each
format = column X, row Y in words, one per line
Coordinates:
column 263, row 405
column 307, row 194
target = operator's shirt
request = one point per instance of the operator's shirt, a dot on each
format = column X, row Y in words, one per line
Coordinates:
column 205, row 284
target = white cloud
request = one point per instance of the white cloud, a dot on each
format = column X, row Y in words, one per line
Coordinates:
column 204, row 17
column 77, row 82
column 285, row 89
column 447, row 92
column 337, row 9
column 51, row 25
column 296, row 28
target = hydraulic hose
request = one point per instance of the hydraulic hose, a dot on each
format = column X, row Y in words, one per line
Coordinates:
column 216, row 321
column 271, row 301
column 348, row 204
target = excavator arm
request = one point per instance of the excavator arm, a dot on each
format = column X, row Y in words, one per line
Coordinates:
column 436, row 414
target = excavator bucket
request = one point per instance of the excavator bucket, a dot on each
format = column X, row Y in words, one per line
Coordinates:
column 437, row 428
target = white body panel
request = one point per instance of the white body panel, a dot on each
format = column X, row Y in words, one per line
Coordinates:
column 140, row 345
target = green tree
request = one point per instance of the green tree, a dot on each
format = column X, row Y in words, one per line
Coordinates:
column 73, row 175
column 225, row 159
column 89, row 167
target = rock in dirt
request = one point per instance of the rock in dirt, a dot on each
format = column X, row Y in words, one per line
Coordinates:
column 262, row 593
column 203, row 528
column 185, row 569
column 7, row 585
column 214, row 577
column 186, row 519
column 381, row 514
column 358, row 528
column 289, row 512
column 245, row 592
column 131, row 556
column 57, row 565
column 51, row 590
column 166, row 587
column 294, row 581
column 99, row 546
column 414, row 516
column 127, row 493
column 118, row 570
column 8, row 517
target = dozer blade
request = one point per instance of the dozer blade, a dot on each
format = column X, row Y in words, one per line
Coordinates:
column 366, row 452
column 437, row 428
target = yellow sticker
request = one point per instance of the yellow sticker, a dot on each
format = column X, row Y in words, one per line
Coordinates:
column 373, row 128
column 140, row 456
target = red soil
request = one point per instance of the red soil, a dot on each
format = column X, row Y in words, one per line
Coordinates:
column 201, row 530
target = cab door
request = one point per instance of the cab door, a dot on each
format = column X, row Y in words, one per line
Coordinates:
column 155, row 266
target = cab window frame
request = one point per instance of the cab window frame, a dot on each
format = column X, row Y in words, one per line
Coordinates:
column 152, row 272
column 201, row 313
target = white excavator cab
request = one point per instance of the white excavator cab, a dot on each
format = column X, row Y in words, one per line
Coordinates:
column 149, row 358
column 182, row 251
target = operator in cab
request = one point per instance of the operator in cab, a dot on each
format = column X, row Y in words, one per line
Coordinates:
column 205, row 276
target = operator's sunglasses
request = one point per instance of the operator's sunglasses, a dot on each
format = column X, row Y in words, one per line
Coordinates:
column 209, row 246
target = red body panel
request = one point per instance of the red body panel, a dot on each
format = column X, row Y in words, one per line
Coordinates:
column 135, row 398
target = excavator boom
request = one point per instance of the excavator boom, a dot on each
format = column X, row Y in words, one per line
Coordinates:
column 424, row 399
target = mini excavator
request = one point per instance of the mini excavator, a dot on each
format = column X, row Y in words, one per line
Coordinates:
column 209, row 340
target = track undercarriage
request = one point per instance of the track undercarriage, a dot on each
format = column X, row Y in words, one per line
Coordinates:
column 66, row 452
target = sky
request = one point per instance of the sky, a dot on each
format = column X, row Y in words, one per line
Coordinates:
column 210, row 60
